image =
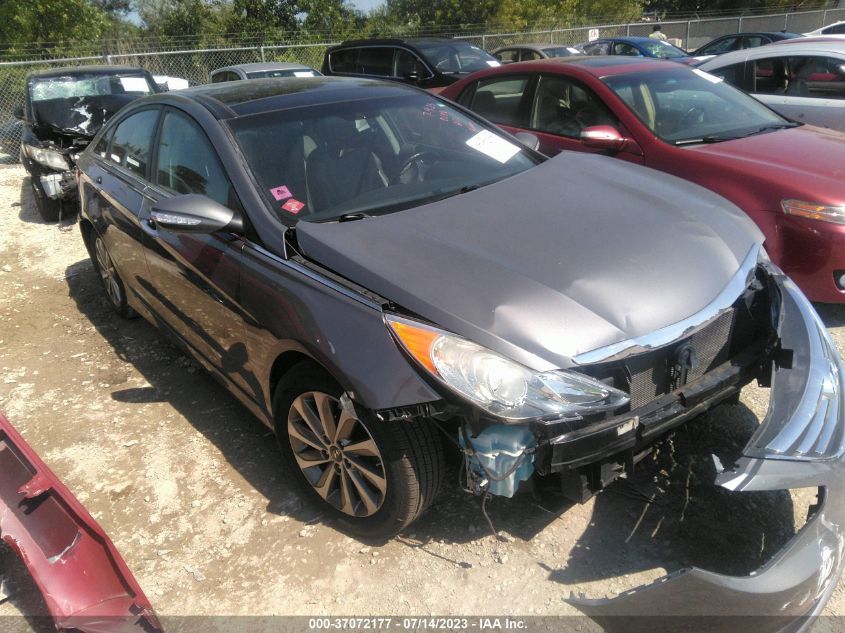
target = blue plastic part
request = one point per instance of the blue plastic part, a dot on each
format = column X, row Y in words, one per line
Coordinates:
column 498, row 448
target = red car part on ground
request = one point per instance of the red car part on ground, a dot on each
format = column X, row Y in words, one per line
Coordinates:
column 86, row 585
column 758, row 173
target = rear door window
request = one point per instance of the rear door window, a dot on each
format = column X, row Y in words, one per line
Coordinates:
column 801, row 76
column 343, row 61
column 377, row 61
column 502, row 100
column 621, row 48
column 133, row 137
column 508, row 55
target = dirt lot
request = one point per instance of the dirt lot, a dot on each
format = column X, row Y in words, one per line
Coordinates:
column 187, row 484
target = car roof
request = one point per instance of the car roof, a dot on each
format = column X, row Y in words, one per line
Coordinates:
column 392, row 41
column 535, row 46
column 232, row 99
column 780, row 49
column 596, row 65
column 98, row 69
column 262, row 66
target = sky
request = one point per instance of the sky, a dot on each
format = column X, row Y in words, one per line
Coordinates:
column 366, row 5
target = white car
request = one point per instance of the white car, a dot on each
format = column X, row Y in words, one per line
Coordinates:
column 837, row 28
column 803, row 80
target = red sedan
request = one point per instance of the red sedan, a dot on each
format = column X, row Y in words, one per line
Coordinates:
column 789, row 178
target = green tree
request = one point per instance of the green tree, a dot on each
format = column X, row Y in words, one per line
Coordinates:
column 331, row 16
column 733, row 6
column 440, row 12
column 262, row 16
column 42, row 21
column 529, row 13
column 174, row 18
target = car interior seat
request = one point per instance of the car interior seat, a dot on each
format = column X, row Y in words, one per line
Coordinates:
column 342, row 166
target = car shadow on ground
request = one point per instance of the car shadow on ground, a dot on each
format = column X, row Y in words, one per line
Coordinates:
column 29, row 211
column 670, row 515
column 21, row 593
column 244, row 442
column 832, row 314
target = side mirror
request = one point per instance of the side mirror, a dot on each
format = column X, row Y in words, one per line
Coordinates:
column 605, row 137
column 18, row 113
column 195, row 213
column 529, row 140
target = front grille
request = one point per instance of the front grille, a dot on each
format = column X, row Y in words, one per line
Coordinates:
column 656, row 373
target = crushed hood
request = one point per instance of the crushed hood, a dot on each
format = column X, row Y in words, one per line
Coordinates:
column 577, row 253
column 79, row 116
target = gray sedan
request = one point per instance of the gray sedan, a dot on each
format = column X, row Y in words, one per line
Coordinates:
column 530, row 52
column 261, row 70
column 383, row 279
column 802, row 79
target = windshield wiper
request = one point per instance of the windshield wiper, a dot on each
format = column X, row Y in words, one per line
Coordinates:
column 716, row 138
column 350, row 217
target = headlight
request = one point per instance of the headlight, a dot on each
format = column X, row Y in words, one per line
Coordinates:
column 47, row 157
column 497, row 384
column 814, row 211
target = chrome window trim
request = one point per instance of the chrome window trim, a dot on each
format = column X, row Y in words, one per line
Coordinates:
column 670, row 333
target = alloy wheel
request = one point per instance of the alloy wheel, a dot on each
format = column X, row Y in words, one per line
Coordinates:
column 108, row 274
column 337, row 454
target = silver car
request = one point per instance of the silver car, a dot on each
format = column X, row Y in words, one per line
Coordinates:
column 531, row 52
column 802, row 80
column 261, row 70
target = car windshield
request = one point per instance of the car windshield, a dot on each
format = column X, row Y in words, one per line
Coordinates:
column 456, row 57
column 47, row 88
column 562, row 51
column 662, row 50
column 286, row 72
column 371, row 157
column 682, row 105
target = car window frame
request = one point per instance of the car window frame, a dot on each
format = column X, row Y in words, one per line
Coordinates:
column 419, row 59
column 112, row 128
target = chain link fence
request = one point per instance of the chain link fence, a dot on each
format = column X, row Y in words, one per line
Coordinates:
column 196, row 64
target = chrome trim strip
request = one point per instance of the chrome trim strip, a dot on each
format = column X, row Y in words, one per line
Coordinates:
column 313, row 275
column 681, row 329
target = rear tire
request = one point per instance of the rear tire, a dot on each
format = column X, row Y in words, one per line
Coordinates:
column 111, row 281
column 391, row 471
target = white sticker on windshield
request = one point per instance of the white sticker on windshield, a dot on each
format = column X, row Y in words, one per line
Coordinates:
column 572, row 50
column 713, row 79
column 134, row 84
column 493, row 62
column 303, row 73
column 132, row 161
column 493, row 146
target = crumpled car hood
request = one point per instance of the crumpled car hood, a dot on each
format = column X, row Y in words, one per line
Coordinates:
column 577, row 253
column 79, row 116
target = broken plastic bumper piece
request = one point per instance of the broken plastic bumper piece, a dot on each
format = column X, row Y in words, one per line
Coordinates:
column 86, row 585
column 799, row 444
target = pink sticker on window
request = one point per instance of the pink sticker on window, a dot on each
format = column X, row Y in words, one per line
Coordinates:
column 281, row 193
column 293, row 206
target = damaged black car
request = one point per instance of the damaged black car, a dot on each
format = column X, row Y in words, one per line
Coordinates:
column 382, row 277
column 63, row 109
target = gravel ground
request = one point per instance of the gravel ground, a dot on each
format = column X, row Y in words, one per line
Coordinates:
column 187, row 483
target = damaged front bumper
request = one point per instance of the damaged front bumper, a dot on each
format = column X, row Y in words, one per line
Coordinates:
column 799, row 444
column 86, row 585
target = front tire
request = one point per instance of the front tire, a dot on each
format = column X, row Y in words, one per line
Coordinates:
column 49, row 209
column 374, row 478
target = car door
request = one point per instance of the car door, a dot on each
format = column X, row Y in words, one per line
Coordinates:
column 806, row 88
column 119, row 178
column 194, row 277
column 563, row 107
